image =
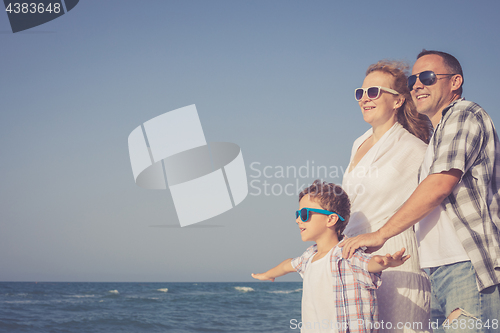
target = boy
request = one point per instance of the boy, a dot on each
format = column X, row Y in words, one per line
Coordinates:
column 350, row 306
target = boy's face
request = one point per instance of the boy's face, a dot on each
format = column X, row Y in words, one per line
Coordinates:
column 316, row 227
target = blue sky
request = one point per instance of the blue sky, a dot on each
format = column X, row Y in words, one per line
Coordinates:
column 275, row 77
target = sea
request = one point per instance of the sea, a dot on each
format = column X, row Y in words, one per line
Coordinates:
column 150, row 307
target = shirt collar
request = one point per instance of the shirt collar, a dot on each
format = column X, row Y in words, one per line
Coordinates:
column 451, row 105
column 446, row 109
column 337, row 251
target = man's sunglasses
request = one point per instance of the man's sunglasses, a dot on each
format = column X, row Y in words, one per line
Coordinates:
column 304, row 213
column 427, row 78
column 372, row 92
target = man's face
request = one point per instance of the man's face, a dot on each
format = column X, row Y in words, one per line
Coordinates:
column 432, row 99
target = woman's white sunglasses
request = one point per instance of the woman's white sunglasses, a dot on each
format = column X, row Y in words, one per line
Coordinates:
column 372, row 92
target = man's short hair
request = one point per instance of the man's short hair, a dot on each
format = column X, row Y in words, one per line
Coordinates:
column 450, row 62
column 332, row 198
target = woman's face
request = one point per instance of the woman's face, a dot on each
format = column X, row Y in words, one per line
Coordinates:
column 380, row 112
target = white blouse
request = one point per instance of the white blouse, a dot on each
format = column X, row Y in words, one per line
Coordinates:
column 383, row 179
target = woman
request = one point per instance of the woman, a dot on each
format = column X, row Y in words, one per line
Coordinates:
column 381, row 176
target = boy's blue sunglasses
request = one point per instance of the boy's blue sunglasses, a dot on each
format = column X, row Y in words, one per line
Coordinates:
column 304, row 213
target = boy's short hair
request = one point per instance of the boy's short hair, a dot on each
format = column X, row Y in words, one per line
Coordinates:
column 333, row 198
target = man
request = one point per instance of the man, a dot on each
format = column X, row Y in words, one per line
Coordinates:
column 457, row 201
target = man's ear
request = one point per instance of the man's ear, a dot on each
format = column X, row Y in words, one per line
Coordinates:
column 332, row 220
column 456, row 81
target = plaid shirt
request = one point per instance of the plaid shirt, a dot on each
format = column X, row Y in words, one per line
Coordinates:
column 465, row 139
column 353, row 287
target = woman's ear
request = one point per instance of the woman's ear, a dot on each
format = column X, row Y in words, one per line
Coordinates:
column 399, row 102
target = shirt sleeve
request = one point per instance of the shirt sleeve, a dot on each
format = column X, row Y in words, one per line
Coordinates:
column 299, row 263
column 458, row 143
column 359, row 266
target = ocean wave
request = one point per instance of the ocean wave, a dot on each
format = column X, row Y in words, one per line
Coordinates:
column 244, row 289
column 285, row 291
column 80, row 296
column 162, row 290
column 113, row 291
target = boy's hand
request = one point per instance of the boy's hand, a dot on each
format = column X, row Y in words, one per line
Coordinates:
column 379, row 263
column 394, row 260
column 262, row 277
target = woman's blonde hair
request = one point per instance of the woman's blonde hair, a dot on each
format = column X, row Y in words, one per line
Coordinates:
column 407, row 115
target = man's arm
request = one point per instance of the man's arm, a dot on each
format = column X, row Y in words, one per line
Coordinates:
column 284, row 268
column 426, row 197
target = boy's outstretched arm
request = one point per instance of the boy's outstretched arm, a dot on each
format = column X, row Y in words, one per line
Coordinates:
column 284, row 268
column 379, row 263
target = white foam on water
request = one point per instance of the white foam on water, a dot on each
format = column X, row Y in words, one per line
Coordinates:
column 114, row 291
column 244, row 289
column 18, row 302
column 163, row 290
column 285, row 291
